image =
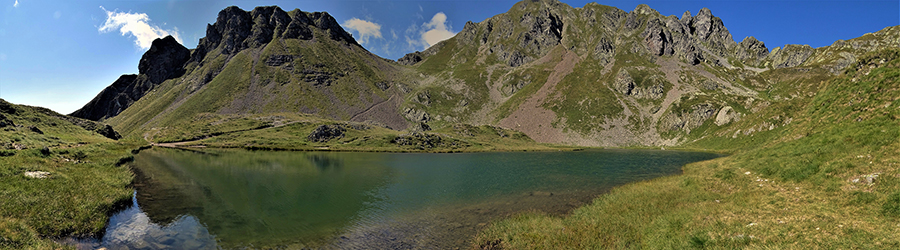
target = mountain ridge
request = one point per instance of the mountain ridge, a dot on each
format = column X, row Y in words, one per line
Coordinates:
column 636, row 79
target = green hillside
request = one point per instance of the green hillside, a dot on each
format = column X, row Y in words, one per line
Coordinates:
column 78, row 177
column 828, row 178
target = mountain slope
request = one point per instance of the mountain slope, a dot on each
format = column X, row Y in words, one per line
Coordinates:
column 267, row 61
column 829, row 179
column 59, row 176
column 590, row 76
column 639, row 78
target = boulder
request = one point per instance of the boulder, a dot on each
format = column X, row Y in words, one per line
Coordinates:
column 726, row 115
column 326, row 133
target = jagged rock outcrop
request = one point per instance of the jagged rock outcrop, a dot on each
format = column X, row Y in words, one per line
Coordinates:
column 411, row 58
column 624, row 83
column 114, row 99
column 691, row 119
column 164, row 60
column 236, row 29
column 326, row 133
column 791, row 55
column 752, row 51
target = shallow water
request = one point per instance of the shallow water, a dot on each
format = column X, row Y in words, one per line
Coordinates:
column 237, row 199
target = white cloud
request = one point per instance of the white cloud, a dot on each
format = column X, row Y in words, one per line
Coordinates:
column 365, row 29
column 16, row 5
column 437, row 30
column 430, row 33
column 138, row 25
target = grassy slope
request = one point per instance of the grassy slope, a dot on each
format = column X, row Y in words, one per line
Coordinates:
column 798, row 186
column 289, row 131
column 86, row 179
column 245, row 82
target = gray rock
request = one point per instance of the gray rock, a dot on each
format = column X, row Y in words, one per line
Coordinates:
column 791, row 55
column 424, row 98
column 604, row 51
column 416, row 116
column 726, row 115
column 411, row 58
column 752, row 51
column 278, row 60
column 658, row 39
column 426, row 141
column 326, row 133
column 624, row 83
column 382, row 85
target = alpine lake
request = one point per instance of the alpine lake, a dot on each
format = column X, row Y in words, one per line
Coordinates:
column 226, row 199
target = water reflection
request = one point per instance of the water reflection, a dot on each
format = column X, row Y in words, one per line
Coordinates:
column 260, row 198
column 236, row 199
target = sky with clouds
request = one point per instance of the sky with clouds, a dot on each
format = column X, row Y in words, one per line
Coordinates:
column 60, row 54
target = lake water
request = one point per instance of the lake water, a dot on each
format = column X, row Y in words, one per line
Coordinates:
column 348, row 200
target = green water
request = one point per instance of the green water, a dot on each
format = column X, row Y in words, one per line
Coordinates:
column 233, row 199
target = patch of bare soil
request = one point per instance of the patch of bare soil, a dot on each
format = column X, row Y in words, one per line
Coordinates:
column 385, row 112
column 533, row 119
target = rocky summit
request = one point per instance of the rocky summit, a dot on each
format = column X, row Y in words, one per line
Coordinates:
column 589, row 76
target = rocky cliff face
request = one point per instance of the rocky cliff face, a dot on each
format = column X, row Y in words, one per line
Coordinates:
column 164, row 60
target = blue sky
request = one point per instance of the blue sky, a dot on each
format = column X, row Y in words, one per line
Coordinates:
column 60, row 54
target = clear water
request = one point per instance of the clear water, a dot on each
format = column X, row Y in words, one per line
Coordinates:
column 347, row 200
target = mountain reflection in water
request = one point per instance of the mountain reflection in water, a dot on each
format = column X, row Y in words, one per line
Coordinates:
column 237, row 199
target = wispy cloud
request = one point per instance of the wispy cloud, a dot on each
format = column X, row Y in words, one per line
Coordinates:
column 16, row 5
column 137, row 25
column 365, row 29
column 429, row 33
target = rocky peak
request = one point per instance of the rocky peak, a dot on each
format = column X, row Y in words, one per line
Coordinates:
column 233, row 26
column 164, row 60
column 268, row 22
column 752, row 50
column 644, row 9
column 236, row 29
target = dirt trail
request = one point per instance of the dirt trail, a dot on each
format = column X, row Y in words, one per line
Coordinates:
column 536, row 121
